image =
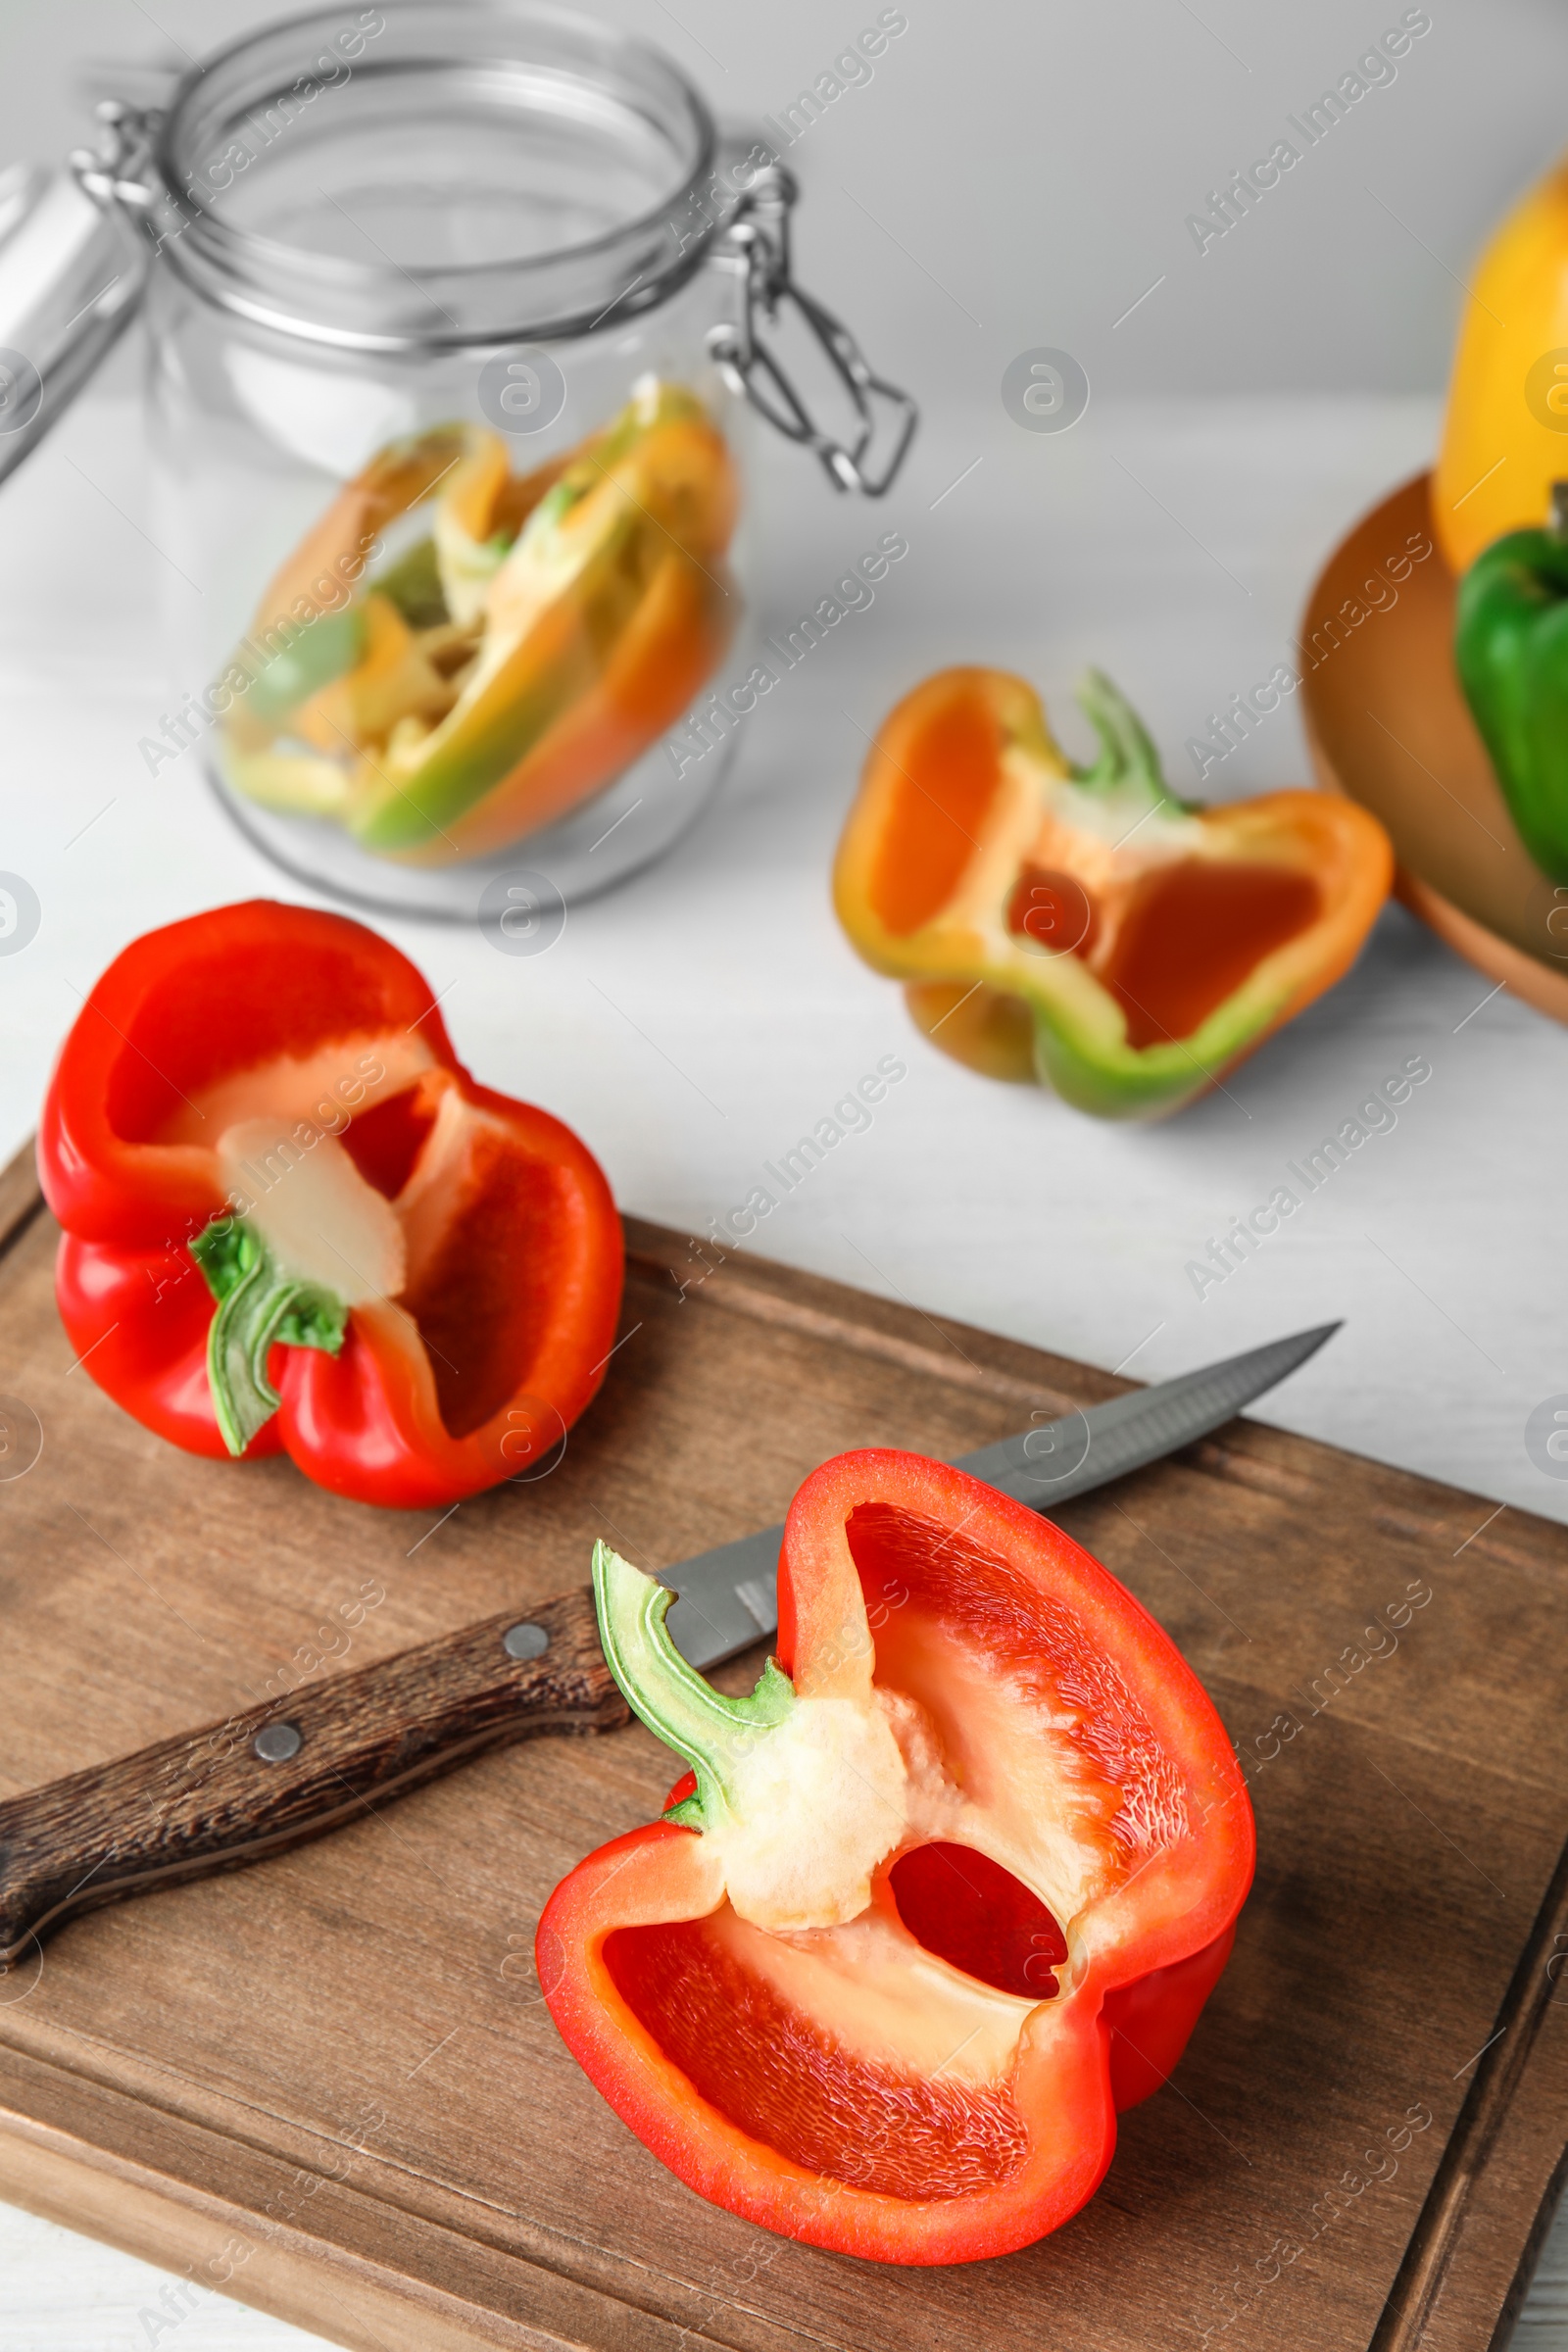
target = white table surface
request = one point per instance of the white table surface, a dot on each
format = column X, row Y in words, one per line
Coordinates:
column 698, row 1020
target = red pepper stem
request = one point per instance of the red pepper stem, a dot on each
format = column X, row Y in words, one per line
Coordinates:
column 712, row 1732
column 258, row 1304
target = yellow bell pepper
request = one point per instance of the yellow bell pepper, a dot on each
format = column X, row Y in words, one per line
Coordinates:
column 1505, row 438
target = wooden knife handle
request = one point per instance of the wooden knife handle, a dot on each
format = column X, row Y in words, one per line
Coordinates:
column 238, row 1792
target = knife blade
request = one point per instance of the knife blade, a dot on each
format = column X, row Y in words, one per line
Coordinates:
column 728, row 1596
column 234, row 1793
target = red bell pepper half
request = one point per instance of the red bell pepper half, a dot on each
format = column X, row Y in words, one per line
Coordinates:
column 945, row 1891
column 293, row 1220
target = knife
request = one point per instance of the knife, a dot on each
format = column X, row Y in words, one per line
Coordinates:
column 238, row 1792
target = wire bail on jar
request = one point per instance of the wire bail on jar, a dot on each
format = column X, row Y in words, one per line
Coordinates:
column 757, row 241
column 121, row 171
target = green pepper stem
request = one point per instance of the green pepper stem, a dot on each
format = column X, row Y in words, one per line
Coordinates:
column 1558, row 525
column 258, row 1304
column 1127, row 754
column 712, row 1732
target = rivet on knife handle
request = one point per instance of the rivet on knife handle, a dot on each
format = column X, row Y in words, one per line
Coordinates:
column 219, row 1798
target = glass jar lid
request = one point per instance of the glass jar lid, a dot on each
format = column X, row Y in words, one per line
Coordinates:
column 71, row 276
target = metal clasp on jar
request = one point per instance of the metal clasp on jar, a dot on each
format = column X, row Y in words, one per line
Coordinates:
column 756, row 242
column 122, row 175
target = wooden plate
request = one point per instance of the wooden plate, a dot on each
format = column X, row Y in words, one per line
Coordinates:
column 329, row 2084
column 1387, row 724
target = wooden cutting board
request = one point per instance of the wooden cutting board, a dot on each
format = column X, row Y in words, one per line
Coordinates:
column 329, row 2083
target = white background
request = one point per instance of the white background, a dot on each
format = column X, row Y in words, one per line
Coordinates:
column 1039, row 160
column 1010, row 177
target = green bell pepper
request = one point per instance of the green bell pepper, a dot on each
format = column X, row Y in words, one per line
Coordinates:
column 1511, row 650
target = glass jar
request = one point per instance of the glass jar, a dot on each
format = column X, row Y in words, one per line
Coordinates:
column 455, row 316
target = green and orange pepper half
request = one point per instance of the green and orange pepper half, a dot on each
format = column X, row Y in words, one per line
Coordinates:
column 293, row 1221
column 1082, row 926
column 509, row 663
column 943, row 1894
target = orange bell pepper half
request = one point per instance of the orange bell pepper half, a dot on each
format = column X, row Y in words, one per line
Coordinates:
column 945, row 1891
column 1082, row 927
